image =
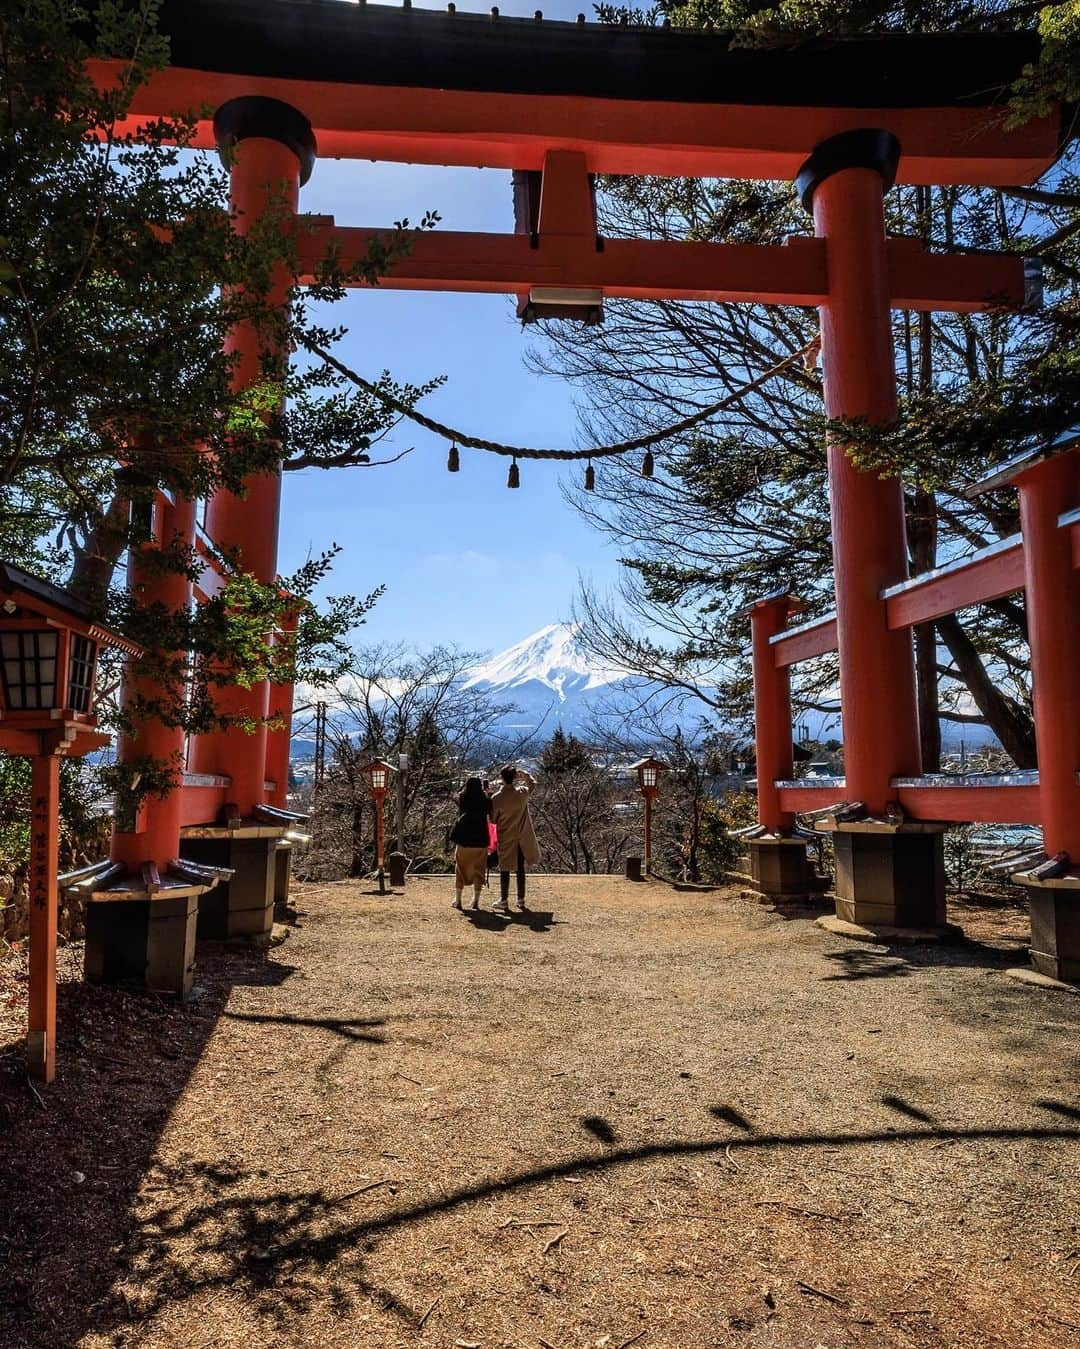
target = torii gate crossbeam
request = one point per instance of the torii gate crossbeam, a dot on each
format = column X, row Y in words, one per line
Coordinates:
column 647, row 269
column 417, row 86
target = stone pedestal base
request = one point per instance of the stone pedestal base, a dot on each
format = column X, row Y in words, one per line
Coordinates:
column 1024, row 974
column 781, row 870
column 890, row 936
column 398, row 865
column 242, row 907
column 1055, row 926
column 890, row 879
column 150, row 942
column 282, row 872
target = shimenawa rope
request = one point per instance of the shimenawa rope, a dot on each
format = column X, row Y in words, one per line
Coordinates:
column 525, row 452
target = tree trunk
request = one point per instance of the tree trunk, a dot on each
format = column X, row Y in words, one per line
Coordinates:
column 95, row 560
column 926, row 679
column 693, row 867
column 358, row 865
column 923, row 539
column 1005, row 717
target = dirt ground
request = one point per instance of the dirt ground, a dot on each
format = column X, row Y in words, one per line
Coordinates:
column 635, row 1117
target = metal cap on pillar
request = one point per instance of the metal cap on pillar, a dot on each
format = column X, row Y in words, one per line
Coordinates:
column 269, row 119
column 864, row 148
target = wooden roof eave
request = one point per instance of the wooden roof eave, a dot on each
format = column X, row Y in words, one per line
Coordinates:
column 418, row 86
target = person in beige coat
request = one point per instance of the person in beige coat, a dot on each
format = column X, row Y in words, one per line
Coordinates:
column 517, row 838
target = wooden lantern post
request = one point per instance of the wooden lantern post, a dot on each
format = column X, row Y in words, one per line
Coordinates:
column 648, row 773
column 49, row 645
column 378, row 772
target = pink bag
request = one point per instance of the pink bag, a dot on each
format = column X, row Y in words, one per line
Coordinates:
column 493, row 844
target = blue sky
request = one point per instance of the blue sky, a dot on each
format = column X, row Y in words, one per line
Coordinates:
column 465, row 559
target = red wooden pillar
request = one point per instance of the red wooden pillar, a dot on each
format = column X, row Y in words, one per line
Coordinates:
column 1047, row 490
column 271, row 150
column 844, row 181
column 278, row 738
column 146, row 930
column 44, row 867
column 772, row 713
column 893, row 877
column 380, row 798
column 155, row 835
column 779, row 867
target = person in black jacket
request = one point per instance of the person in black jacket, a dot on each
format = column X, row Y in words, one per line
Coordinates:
column 470, row 833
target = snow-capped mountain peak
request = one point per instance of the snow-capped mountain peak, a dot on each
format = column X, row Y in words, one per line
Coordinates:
column 551, row 657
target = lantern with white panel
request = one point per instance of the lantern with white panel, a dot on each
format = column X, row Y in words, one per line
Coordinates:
column 648, row 772
column 49, row 644
column 378, row 776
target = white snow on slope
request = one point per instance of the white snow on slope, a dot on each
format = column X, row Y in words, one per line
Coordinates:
column 551, row 657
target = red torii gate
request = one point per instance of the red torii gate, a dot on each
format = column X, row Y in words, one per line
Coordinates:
column 876, row 884
column 566, row 101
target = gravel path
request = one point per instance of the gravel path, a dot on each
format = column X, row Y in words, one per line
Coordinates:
column 637, row 1117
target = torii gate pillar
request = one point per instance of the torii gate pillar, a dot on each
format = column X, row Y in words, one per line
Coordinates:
column 894, row 878
column 271, row 152
column 150, row 936
column 779, row 867
column 1048, row 490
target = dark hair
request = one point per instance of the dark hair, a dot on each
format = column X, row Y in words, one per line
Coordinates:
column 508, row 774
column 472, row 796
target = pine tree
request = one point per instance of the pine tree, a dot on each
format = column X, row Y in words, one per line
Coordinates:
column 564, row 754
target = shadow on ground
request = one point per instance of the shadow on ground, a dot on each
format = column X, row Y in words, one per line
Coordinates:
column 97, row 1235
column 899, row 962
column 276, row 1248
column 76, row 1152
column 790, row 910
column 536, row 920
column 349, row 1028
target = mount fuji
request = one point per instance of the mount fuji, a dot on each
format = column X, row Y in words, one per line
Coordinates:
column 548, row 679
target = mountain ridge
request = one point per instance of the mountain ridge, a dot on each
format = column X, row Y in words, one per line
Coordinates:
column 550, row 683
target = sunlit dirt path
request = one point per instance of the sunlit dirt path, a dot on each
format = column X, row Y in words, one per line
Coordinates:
column 638, row 1117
